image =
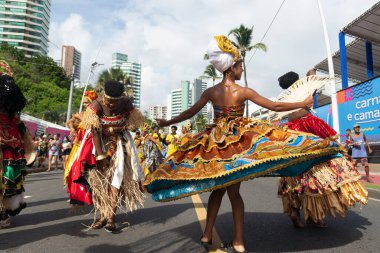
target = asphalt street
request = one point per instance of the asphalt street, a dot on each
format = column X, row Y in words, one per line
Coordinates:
column 47, row 225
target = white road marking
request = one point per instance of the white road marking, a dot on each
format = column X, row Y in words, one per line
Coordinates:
column 374, row 199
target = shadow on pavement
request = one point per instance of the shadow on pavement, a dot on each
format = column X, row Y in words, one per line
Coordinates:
column 274, row 232
column 44, row 202
column 14, row 239
column 264, row 232
column 11, row 239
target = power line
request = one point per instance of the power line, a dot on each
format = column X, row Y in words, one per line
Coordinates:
column 265, row 34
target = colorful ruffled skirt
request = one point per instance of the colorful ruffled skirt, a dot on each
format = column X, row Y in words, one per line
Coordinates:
column 12, row 167
column 329, row 187
column 234, row 150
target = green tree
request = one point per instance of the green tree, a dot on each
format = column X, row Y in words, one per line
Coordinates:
column 243, row 41
column 115, row 74
column 43, row 83
column 211, row 73
column 200, row 122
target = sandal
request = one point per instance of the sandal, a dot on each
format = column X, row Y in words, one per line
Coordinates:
column 229, row 247
column 110, row 226
column 99, row 224
column 206, row 244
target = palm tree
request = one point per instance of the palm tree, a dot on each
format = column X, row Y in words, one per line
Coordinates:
column 243, row 40
column 211, row 73
column 200, row 122
column 115, row 74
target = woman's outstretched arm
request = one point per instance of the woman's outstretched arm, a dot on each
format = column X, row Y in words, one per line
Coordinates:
column 189, row 112
column 276, row 106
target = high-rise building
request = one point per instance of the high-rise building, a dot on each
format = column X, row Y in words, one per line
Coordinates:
column 197, row 89
column 182, row 99
column 185, row 95
column 157, row 112
column 133, row 70
column 70, row 58
column 176, row 102
column 25, row 25
column 118, row 59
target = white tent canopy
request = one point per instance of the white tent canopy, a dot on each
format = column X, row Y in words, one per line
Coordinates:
column 356, row 61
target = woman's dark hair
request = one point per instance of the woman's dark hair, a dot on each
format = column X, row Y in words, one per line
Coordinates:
column 113, row 88
column 12, row 100
column 175, row 127
column 285, row 81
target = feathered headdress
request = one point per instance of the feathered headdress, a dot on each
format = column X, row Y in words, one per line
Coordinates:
column 188, row 126
column 299, row 91
column 91, row 95
column 146, row 127
column 5, row 69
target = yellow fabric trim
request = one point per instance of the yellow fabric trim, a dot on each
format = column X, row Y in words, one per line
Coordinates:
column 302, row 157
column 226, row 46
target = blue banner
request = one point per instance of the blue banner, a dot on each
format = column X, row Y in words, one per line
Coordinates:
column 360, row 104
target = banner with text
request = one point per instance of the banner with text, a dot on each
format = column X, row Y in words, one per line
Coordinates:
column 360, row 104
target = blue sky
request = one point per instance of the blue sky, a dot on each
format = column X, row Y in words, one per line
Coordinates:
column 169, row 37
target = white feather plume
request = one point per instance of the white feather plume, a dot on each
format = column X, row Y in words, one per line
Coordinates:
column 298, row 92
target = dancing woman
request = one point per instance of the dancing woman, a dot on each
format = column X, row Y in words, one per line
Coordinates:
column 151, row 151
column 116, row 180
column 15, row 141
column 329, row 187
column 235, row 148
column 80, row 156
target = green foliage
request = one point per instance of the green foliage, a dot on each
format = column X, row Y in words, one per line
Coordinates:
column 243, row 39
column 115, row 74
column 44, row 84
column 211, row 73
column 200, row 122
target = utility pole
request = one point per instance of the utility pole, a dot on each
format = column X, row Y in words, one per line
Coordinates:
column 68, row 116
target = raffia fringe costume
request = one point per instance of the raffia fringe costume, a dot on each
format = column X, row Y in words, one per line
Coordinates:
column 124, row 172
column 329, row 187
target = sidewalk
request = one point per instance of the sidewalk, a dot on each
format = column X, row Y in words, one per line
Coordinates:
column 374, row 175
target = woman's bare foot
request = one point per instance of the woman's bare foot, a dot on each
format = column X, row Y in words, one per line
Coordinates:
column 206, row 240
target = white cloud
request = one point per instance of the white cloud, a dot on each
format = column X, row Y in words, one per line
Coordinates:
column 169, row 37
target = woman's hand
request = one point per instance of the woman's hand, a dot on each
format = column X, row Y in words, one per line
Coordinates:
column 162, row 122
column 308, row 102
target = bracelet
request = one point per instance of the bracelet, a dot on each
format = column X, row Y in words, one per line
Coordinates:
column 101, row 157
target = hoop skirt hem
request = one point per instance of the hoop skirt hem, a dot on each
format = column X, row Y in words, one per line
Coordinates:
column 235, row 150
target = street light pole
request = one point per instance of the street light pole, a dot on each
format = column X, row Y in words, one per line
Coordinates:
column 93, row 66
column 68, row 116
column 334, row 102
